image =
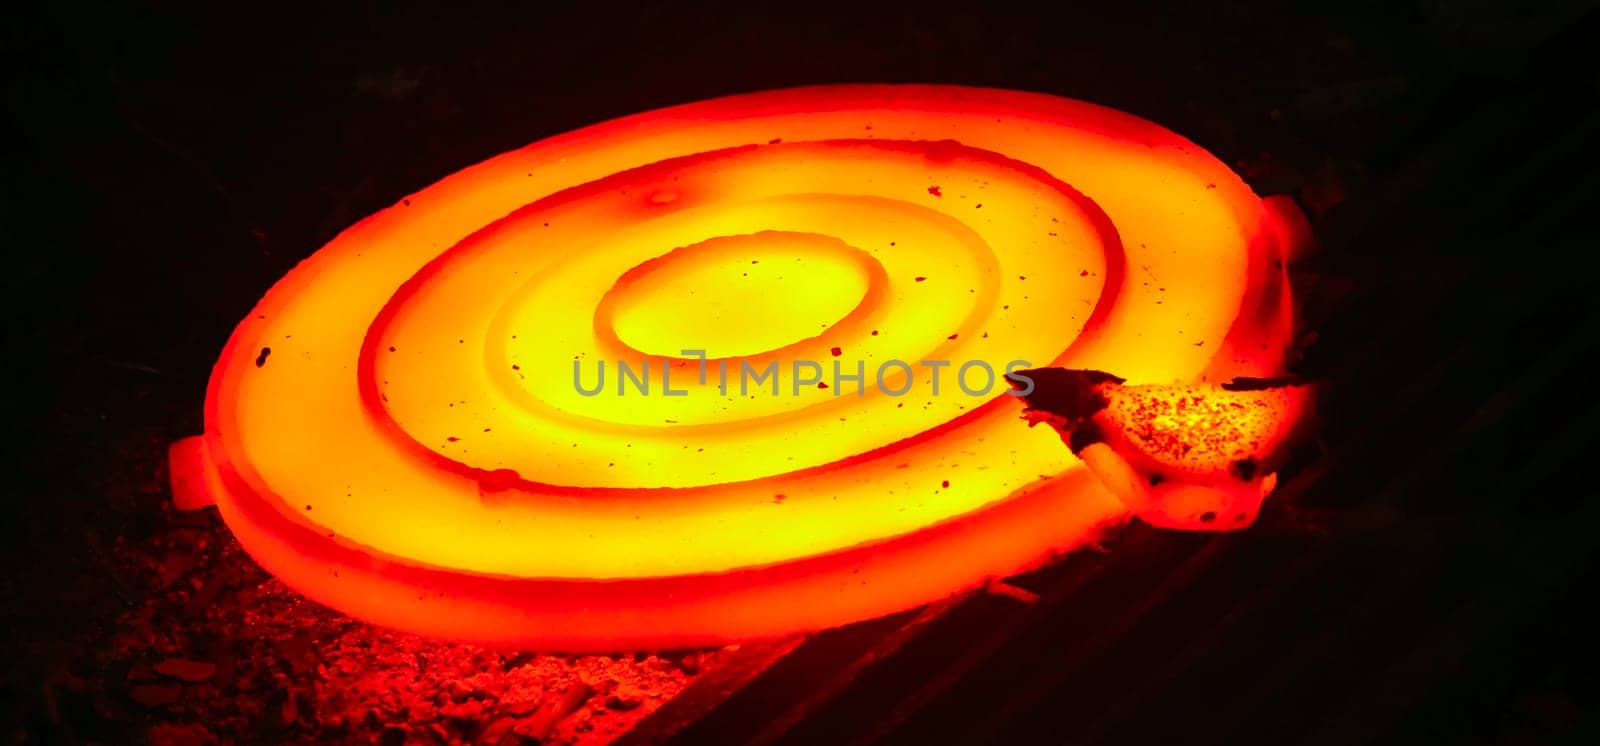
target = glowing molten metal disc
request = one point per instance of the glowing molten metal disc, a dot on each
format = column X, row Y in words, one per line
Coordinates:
column 394, row 431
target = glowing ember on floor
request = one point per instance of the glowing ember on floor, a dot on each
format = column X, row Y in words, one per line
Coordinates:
column 395, row 430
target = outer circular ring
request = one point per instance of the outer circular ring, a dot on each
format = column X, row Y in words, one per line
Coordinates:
column 1156, row 189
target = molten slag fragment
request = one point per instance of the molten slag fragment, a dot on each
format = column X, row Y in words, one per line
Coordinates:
column 1196, row 457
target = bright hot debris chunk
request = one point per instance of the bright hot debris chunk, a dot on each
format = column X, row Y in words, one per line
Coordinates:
column 1181, row 456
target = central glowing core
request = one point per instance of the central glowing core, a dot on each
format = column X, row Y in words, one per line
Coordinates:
column 740, row 295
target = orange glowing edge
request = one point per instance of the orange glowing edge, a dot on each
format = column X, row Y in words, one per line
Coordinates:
column 328, row 446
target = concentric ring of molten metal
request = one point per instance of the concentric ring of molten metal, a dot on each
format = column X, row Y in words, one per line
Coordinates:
column 395, row 431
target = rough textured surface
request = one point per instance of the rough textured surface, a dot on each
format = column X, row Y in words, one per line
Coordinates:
column 1200, row 428
column 205, row 647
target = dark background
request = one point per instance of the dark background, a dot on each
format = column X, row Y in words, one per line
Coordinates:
column 165, row 163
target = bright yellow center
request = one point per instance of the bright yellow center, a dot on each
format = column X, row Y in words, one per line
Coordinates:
column 739, row 295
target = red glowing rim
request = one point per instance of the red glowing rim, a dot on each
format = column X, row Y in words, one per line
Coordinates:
column 1005, row 534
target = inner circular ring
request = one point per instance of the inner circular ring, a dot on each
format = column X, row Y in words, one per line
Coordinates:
column 766, row 293
column 1034, row 257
